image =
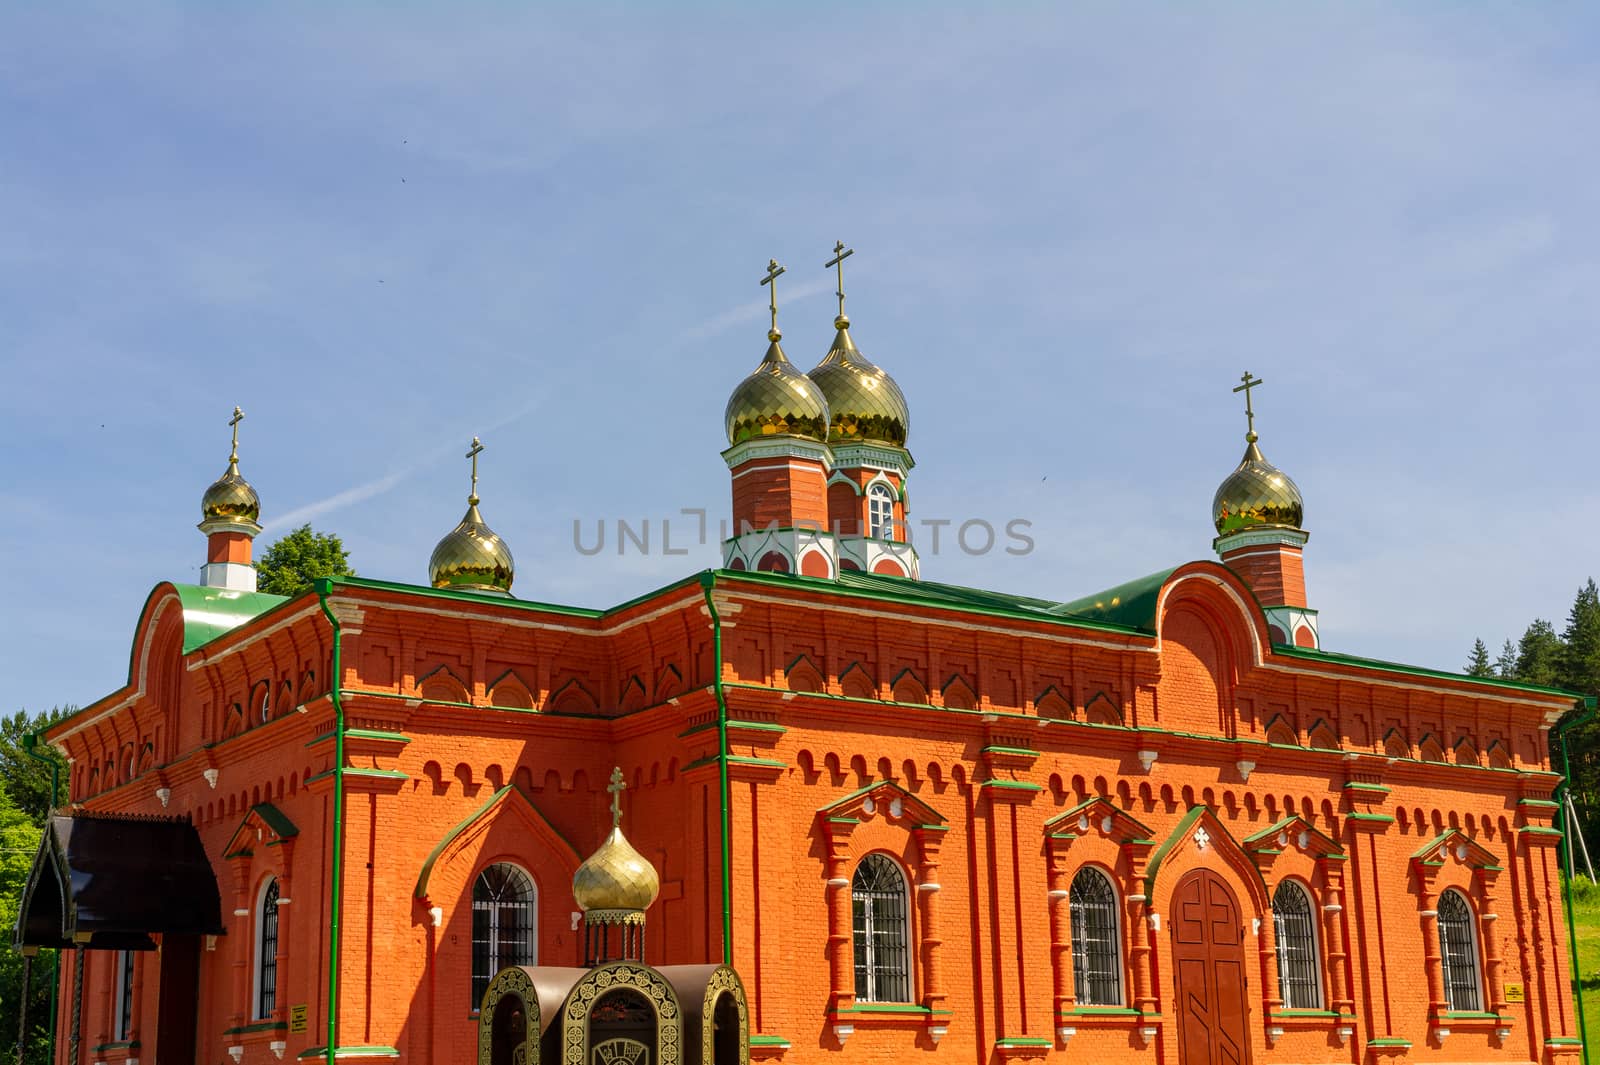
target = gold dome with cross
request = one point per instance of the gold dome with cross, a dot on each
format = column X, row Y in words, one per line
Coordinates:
column 776, row 399
column 472, row 557
column 615, row 879
column 865, row 405
column 1256, row 494
column 231, row 500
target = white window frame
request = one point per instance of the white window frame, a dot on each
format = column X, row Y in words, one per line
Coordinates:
column 1475, row 956
column 258, row 970
column 122, row 1004
column 1116, row 922
column 908, row 958
column 495, row 963
column 1316, row 944
column 880, row 492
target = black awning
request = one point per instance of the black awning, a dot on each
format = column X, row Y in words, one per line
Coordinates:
column 109, row 883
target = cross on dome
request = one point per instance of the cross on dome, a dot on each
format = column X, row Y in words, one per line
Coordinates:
column 840, row 254
column 773, row 272
column 616, row 788
column 1249, row 411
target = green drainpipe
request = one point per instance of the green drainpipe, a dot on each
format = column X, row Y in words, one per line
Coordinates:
column 30, row 747
column 1566, row 879
column 324, row 587
column 708, row 581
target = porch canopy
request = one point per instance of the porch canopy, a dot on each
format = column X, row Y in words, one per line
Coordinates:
column 109, row 882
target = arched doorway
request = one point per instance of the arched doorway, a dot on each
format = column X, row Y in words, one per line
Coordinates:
column 508, row 1032
column 726, row 1042
column 622, row 1029
column 1208, row 963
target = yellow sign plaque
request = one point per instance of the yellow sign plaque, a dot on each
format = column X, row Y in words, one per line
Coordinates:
column 297, row 1018
column 1514, row 993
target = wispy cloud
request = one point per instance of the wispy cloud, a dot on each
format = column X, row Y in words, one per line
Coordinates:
column 750, row 312
column 360, row 493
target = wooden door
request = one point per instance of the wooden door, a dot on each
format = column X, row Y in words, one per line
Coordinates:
column 1209, row 972
column 179, row 1000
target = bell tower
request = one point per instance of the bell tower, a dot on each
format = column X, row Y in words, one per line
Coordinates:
column 867, row 429
column 1258, row 512
column 778, row 458
column 228, row 516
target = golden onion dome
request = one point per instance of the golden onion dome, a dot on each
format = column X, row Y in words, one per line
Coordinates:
column 230, row 498
column 865, row 404
column 615, row 877
column 1256, row 494
column 776, row 400
column 472, row 557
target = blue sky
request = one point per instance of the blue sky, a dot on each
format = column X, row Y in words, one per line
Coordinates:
column 382, row 230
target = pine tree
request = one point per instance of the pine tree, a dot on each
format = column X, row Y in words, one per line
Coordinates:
column 1478, row 665
column 1539, row 655
column 1580, row 652
column 1505, row 667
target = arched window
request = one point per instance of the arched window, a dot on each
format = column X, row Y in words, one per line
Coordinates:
column 267, row 952
column 124, row 1003
column 1458, row 948
column 505, row 908
column 1298, row 970
column 880, row 512
column 1096, row 959
column 882, row 941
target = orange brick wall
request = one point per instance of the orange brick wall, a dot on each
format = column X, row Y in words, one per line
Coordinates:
column 785, row 492
column 810, row 681
column 1275, row 572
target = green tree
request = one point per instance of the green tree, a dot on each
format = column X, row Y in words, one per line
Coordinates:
column 1478, row 664
column 19, row 840
column 290, row 565
column 1505, row 667
column 26, row 778
column 1580, row 672
column 1539, row 654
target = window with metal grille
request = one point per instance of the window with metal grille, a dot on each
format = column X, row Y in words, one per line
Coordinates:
column 504, row 922
column 1295, row 922
column 882, row 937
column 124, row 1025
column 1096, row 957
column 1458, row 948
column 880, row 512
column 267, row 953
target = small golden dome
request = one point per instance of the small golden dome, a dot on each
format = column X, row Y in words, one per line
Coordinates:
column 615, row 877
column 776, row 400
column 230, row 498
column 865, row 404
column 1256, row 494
column 472, row 557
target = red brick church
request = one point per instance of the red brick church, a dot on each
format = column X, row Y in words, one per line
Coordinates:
column 921, row 822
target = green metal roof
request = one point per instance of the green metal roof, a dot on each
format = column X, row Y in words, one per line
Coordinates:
column 1132, row 604
column 210, row 612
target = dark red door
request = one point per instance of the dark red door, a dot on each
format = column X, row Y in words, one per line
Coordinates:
column 179, row 1000
column 1208, row 965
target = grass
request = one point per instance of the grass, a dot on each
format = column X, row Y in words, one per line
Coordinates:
column 1586, row 921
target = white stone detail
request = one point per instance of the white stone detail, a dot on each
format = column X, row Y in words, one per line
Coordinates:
column 234, row 576
column 1148, row 759
column 1064, row 1035
column 1245, row 768
column 1202, row 838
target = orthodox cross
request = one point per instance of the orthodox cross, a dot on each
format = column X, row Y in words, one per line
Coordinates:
column 615, row 788
column 840, row 254
column 238, row 416
column 1249, row 411
column 473, row 453
column 773, row 270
